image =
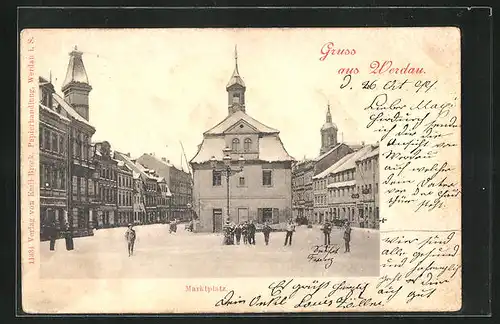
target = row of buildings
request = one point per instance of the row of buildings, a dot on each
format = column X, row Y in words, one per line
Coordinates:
column 341, row 183
column 86, row 185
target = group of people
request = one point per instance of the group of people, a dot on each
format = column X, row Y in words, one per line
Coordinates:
column 327, row 229
column 234, row 232
column 53, row 233
column 247, row 229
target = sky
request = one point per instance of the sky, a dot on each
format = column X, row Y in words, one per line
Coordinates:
column 153, row 88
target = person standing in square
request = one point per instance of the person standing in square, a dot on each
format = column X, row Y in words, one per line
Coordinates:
column 251, row 233
column 327, row 229
column 290, row 228
column 347, row 236
column 130, row 237
column 267, row 231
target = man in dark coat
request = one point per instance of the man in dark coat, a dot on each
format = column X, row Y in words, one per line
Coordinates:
column 237, row 233
column 327, row 229
column 267, row 229
column 52, row 233
column 347, row 237
column 251, row 233
column 244, row 232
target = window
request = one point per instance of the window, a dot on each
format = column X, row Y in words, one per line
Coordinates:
column 40, row 137
column 55, row 142
column 216, row 178
column 376, row 188
column 242, row 181
column 370, row 187
column 236, row 144
column 61, row 145
column 46, row 138
column 248, row 144
column 267, row 177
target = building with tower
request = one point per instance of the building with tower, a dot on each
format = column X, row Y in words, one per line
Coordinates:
column 328, row 133
column 83, row 175
column 71, row 173
column 263, row 190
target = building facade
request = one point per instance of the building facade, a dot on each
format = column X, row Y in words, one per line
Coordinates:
column 125, row 193
column 262, row 191
column 367, row 187
column 151, row 192
column 179, row 182
column 53, row 136
column 302, row 191
column 107, row 186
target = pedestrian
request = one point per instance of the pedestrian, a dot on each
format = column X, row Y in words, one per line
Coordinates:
column 347, row 237
column 51, row 231
column 130, row 237
column 244, row 232
column 290, row 228
column 267, row 229
column 68, row 237
column 327, row 229
column 237, row 233
column 251, row 233
column 228, row 233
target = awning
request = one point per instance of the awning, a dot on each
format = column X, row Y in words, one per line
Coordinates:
column 349, row 183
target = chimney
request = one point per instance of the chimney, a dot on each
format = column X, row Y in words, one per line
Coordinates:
column 168, row 161
column 363, row 143
column 164, row 159
column 128, row 154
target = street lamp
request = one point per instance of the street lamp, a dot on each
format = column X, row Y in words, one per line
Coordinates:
column 227, row 171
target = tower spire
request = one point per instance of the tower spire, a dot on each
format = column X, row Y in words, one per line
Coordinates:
column 236, row 88
column 328, row 114
column 236, row 59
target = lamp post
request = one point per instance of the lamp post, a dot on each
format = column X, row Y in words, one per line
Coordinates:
column 227, row 170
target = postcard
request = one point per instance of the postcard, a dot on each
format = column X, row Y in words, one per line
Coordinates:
column 240, row 170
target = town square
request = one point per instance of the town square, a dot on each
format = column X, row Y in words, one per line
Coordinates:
column 243, row 194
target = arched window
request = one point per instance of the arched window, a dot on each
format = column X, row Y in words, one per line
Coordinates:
column 248, row 144
column 236, row 144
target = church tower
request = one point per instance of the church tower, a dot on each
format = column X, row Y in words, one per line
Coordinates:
column 76, row 85
column 328, row 133
column 236, row 89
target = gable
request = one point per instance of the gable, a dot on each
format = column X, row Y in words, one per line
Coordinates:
column 241, row 127
column 232, row 119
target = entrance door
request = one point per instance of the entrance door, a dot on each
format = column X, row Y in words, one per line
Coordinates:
column 217, row 220
column 242, row 215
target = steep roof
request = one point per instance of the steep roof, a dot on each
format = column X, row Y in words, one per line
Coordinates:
column 373, row 153
column 72, row 112
column 271, row 149
column 76, row 70
column 53, row 113
column 319, row 158
column 345, row 163
column 234, row 118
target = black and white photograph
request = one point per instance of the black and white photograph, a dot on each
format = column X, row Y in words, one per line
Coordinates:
column 241, row 154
